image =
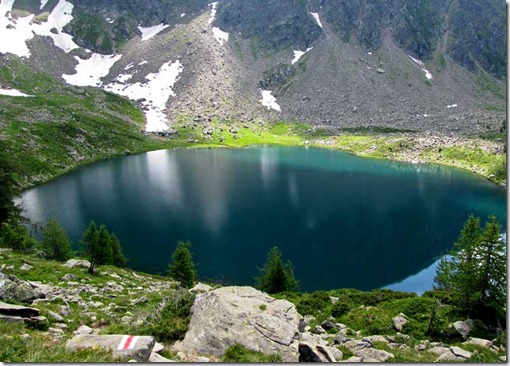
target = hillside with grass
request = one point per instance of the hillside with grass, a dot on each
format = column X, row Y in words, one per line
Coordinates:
column 113, row 301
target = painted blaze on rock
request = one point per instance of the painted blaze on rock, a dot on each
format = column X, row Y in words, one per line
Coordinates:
column 243, row 315
column 122, row 346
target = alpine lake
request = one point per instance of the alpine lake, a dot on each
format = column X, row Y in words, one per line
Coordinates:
column 343, row 221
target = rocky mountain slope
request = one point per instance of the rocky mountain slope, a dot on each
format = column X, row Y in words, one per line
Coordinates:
column 428, row 65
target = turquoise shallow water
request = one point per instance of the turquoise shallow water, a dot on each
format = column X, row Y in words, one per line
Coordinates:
column 342, row 220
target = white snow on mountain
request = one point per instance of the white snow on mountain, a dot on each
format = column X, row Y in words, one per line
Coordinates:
column 149, row 32
column 90, row 71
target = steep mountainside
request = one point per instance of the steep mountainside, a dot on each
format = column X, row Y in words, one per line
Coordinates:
column 420, row 65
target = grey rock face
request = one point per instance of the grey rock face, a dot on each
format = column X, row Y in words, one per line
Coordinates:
column 464, row 327
column 80, row 263
column 13, row 289
column 317, row 353
column 399, row 321
column 370, row 354
column 244, row 315
column 16, row 310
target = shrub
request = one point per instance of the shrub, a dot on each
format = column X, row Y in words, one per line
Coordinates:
column 238, row 353
column 170, row 321
column 15, row 236
column 313, row 304
column 343, row 305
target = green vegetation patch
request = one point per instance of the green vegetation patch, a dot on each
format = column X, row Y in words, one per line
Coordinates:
column 240, row 354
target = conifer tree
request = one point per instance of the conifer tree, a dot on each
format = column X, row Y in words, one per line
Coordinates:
column 182, row 268
column 118, row 258
column 55, row 242
column 276, row 276
column 475, row 272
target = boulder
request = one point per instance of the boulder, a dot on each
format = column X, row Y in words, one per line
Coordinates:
column 77, row 263
column 13, row 289
column 356, row 345
column 375, row 338
column 328, row 325
column 450, row 357
column 228, row 315
column 457, row 351
column 83, row 329
column 26, row 267
column 55, row 316
column 353, row 359
column 334, row 300
column 154, row 357
column 372, row 354
column 158, row 348
column 336, row 353
column 464, row 327
column 16, row 310
column 439, row 350
column 399, row 321
column 121, row 346
column 200, row 288
column 479, row 342
column 69, row 277
column 317, row 353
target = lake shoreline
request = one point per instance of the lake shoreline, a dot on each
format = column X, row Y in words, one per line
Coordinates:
column 477, row 155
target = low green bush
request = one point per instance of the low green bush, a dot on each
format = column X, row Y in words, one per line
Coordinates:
column 238, row 353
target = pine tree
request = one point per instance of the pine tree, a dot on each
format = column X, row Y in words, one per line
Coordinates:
column 118, row 258
column 8, row 188
column 276, row 276
column 182, row 267
column 475, row 272
column 55, row 242
column 491, row 287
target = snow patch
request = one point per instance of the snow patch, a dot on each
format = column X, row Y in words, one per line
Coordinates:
column 428, row 75
column 14, row 32
column 59, row 17
column 317, row 19
column 219, row 35
column 110, row 20
column 149, row 32
column 122, row 78
column 183, row 15
column 269, row 101
column 214, row 7
column 155, row 93
column 43, row 3
column 452, row 106
column 143, row 63
column 129, row 66
column 89, row 72
column 299, row 54
column 13, row 93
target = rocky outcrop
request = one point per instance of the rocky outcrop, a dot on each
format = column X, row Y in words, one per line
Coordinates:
column 77, row 263
column 464, row 327
column 243, row 315
column 399, row 321
column 13, row 289
column 122, row 346
column 314, row 353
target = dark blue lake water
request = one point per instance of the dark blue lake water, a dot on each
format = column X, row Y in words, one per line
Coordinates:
column 342, row 220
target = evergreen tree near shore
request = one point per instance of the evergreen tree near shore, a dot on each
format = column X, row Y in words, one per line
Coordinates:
column 100, row 247
column 275, row 276
column 55, row 243
column 182, row 268
column 475, row 271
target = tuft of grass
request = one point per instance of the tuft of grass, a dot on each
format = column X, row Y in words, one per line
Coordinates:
column 239, row 354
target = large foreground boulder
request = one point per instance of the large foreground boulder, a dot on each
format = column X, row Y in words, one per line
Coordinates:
column 243, row 315
column 121, row 346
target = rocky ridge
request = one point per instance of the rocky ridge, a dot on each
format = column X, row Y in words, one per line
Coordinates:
column 364, row 64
